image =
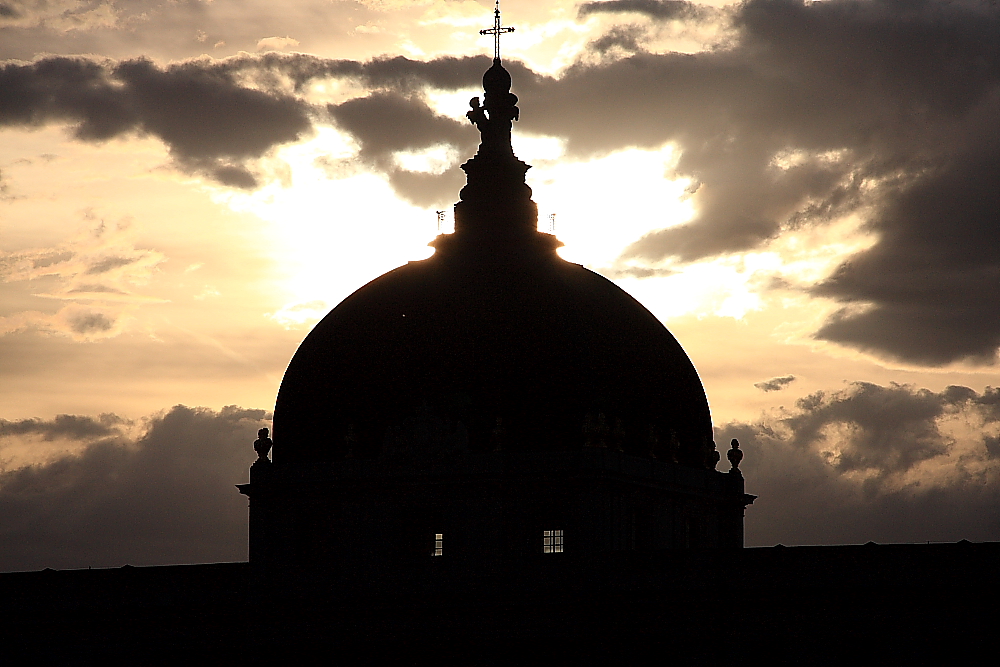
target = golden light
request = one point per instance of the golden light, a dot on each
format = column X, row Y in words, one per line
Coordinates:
column 334, row 227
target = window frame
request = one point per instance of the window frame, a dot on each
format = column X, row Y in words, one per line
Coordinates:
column 438, row 549
column 553, row 541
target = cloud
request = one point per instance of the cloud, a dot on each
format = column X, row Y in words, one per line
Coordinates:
column 85, row 323
column 809, row 113
column 208, row 121
column 872, row 462
column 891, row 429
column 623, row 38
column 388, row 123
column 803, row 114
column 98, row 273
column 5, row 189
column 104, row 252
column 775, row 384
column 927, row 289
column 276, row 43
column 167, row 30
column 163, row 496
column 216, row 116
column 109, row 263
column 886, row 111
column 58, row 15
column 75, row 427
column 663, row 10
column 161, row 490
column 396, row 73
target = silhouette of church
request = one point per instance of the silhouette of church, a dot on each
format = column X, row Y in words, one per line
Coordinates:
column 496, row 455
column 465, row 415
column 469, row 423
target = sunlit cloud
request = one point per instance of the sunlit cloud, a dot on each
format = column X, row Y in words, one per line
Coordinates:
column 331, row 235
column 594, row 226
column 432, row 160
column 98, row 272
column 276, row 43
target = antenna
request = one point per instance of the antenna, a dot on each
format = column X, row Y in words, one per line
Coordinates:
column 552, row 223
column 440, row 215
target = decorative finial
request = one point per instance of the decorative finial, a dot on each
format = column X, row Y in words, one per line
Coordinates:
column 262, row 445
column 496, row 31
column 735, row 455
column 496, row 204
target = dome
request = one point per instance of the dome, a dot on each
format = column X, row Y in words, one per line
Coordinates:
column 496, row 79
column 428, row 357
column 493, row 343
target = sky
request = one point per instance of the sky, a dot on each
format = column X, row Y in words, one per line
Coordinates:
column 804, row 193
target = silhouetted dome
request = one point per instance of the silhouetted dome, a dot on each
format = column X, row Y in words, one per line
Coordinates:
column 495, row 342
column 428, row 356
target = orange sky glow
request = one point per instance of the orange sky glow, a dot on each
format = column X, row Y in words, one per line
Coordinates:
column 153, row 256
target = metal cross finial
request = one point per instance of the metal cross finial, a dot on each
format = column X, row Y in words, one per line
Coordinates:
column 496, row 31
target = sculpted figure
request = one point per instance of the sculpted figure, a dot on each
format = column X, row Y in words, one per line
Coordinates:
column 477, row 115
column 490, row 128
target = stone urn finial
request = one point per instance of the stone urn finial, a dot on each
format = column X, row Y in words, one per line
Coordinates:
column 713, row 456
column 735, row 455
column 262, row 445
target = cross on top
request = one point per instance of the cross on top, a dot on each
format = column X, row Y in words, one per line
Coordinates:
column 496, row 31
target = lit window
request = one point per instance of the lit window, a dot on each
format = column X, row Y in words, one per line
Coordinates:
column 552, row 541
column 438, row 543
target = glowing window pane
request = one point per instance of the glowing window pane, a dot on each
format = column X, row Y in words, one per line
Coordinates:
column 438, row 544
column 552, row 541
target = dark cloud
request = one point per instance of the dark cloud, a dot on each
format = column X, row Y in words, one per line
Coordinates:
column 626, row 38
column 109, row 263
column 216, row 115
column 664, row 10
column 891, row 428
column 385, row 123
column 928, row 289
column 91, row 288
column 812, row 111
column 50, row 258
column 873, row 491
column 397, row 73
column 73, row 427
column 992, row 443
column 173, row 30
column 234, row 176
column 805, row 113
column 166, row 497
column 989, row 403
column 775, row 384
column 203, row 115
column 88, row 323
